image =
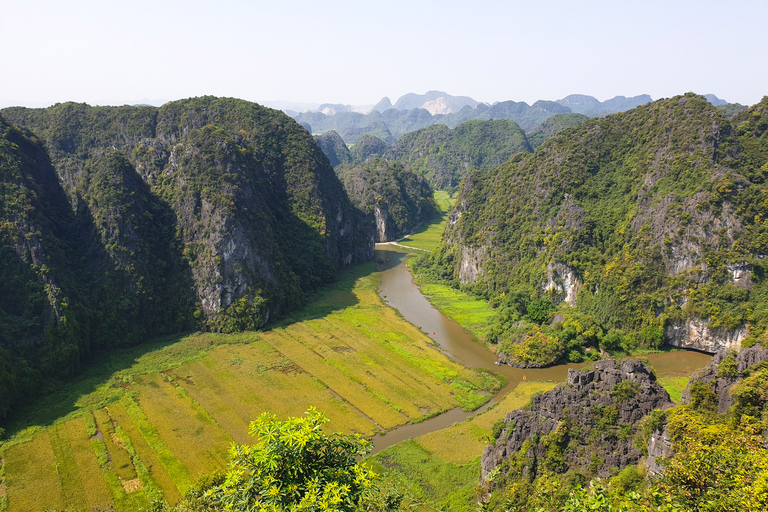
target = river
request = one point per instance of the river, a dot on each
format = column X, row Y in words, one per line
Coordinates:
column 399, row 291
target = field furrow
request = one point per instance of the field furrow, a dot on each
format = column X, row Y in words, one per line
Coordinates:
column 373, row 407
column 159, row 475
column 173, row 466
column 192, row 438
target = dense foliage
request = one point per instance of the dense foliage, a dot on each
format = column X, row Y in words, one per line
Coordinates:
column 445, row 155
column 394, row 197
column 640, row 220
column 552, row 126
column 334, row 148
column 132, row 222
column 295, row 466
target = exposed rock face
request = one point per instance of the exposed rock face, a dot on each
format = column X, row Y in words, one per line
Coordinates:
column 696, row 334
column 587, row 412
column 470, row 267
column 740, row 274
column 659, row 446
column 241, row 190
column 563, row 279
column 720, row 383
column 608, row 198
column 394, row 197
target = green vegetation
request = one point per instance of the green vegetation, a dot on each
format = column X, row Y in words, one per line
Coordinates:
column 427, row 236
column 334, row 148
column 295, row 466
column 441, row 469
column 596, row 222
column 674, row 386
column 720, row 461
column 444, row 156
column 123, row 223
column 394, row 198
column 366, row 148
column 552, row 126
column 164, row 413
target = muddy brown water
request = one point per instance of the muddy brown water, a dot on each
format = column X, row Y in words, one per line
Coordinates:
column 399, row 291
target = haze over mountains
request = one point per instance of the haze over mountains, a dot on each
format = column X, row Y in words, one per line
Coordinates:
column 410, row 112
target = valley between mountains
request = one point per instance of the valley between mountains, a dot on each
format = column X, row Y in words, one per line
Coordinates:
column 574, row 317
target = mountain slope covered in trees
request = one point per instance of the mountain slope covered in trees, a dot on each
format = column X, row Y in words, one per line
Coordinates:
column 121, row 223
column 445, row 155
column 395, row 197
column 647, row 226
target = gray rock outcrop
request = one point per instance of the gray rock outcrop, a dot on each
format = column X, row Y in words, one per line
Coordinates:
column 721, row 382
column 696, row 334
column 596, row 417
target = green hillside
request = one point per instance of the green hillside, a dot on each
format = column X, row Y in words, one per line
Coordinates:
column 123, row 223
column 395, row 198
column 445, row 155
column 636, row 224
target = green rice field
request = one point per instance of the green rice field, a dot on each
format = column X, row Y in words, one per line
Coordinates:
column 427, row 236
column 147, row 422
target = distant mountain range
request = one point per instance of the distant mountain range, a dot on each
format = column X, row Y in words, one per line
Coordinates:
column 412, row 111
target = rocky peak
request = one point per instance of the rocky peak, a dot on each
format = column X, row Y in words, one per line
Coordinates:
column 596, row 412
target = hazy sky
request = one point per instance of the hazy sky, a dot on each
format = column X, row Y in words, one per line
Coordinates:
column 356, row 52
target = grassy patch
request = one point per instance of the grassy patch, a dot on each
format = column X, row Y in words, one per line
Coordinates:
column 96, row 492
column 30, row 476
column 446, row 487
column 428, row 235
column 442, row 468
column 674, row 386
column 474, row 315
column 66, row 467
column 462, row 442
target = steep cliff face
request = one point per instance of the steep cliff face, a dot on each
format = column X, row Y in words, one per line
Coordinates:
column 696, row 334
column 250, row 190
column 713, row 388
column 206, row 212
column 727, row 368
column 40, row 318
column 647, row 219
column 588, row 424
column 395, row 198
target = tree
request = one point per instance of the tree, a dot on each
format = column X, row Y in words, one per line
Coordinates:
column 295, row 466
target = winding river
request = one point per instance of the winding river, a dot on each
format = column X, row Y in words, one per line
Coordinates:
column 399, row 291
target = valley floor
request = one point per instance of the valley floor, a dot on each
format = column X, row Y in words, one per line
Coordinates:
column 165, row 415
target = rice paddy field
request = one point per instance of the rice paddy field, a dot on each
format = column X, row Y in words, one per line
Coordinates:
column 146, row 423
column 427, row 236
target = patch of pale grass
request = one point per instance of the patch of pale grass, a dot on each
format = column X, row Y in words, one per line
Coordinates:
column 463, row 442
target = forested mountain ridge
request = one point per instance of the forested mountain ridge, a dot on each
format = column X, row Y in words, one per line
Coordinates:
column 647, row 222
column 393, row 195
column 445, row 155
column 206, row 212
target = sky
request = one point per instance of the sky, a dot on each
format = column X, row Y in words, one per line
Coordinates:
column 356, row 52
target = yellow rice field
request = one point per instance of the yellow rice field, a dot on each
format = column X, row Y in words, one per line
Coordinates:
column 168, row 415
